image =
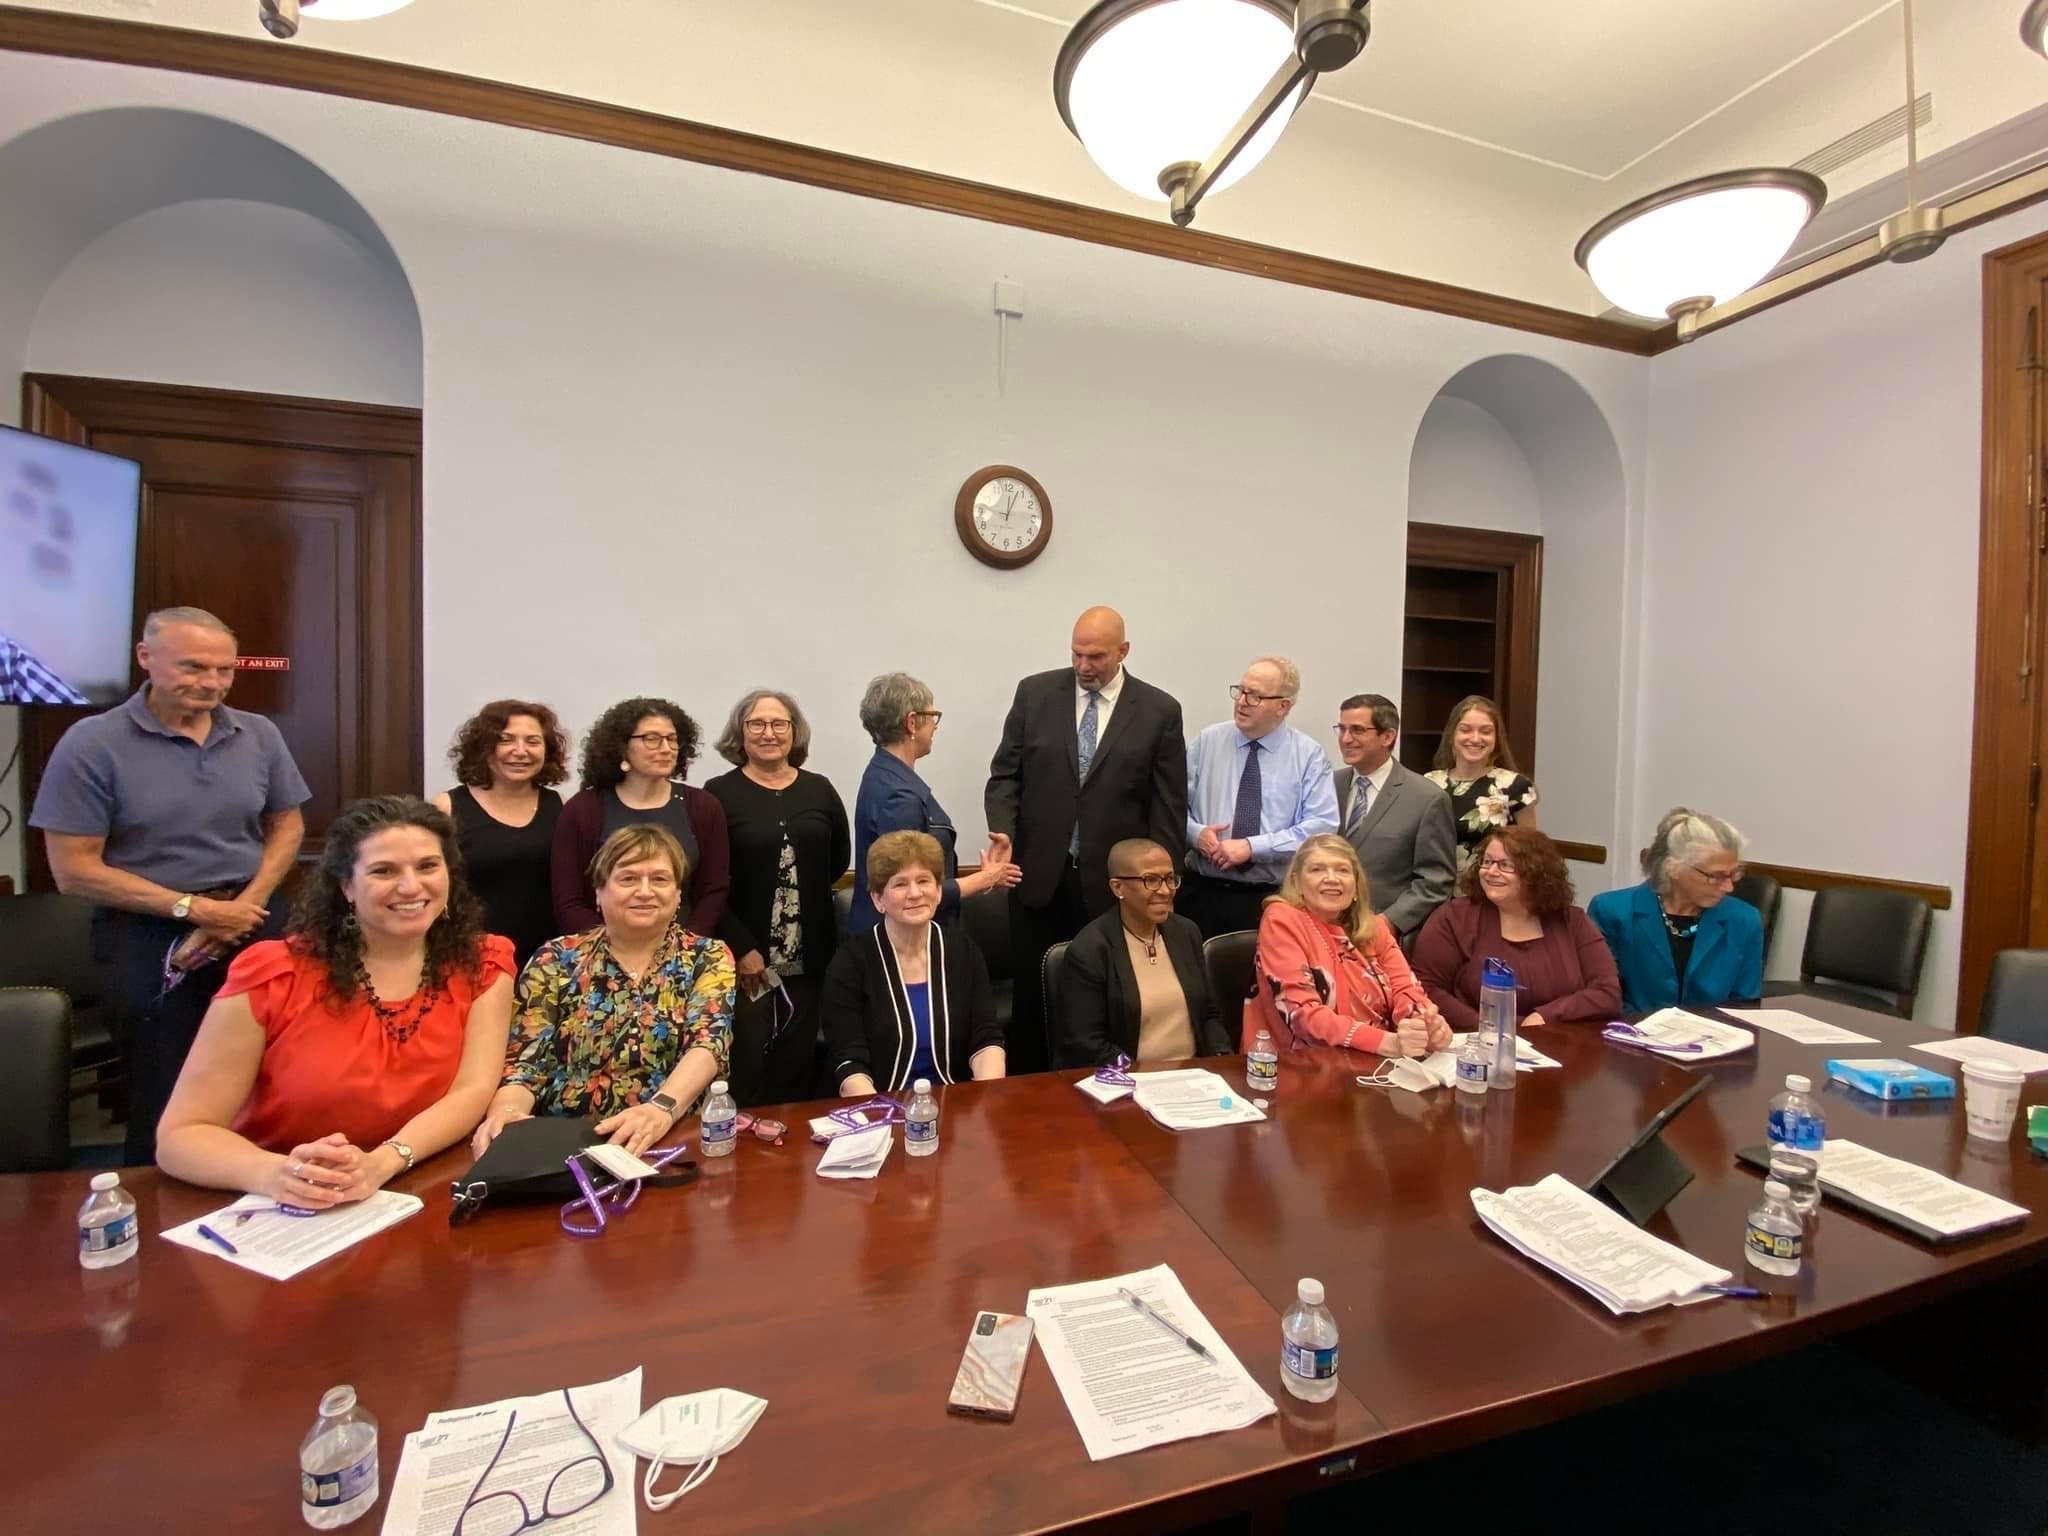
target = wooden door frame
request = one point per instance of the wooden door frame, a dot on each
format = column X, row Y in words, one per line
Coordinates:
column 2004, row 773
column 1519, row 557
column 391, row 695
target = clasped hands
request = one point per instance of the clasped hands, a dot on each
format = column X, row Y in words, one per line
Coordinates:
column 316, row 1175
column 1223, row 852
column 1422, row 1033
column 217, row 927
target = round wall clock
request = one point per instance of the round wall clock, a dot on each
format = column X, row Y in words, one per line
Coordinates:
column 1003, row 516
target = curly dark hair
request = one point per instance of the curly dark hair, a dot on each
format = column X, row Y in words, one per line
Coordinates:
column 1546, row 883
column 477, row 740
column 320, row 923
column 604, row 744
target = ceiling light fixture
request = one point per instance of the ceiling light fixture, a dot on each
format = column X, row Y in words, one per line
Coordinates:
column 1175, row 99
column 280, row 18
column 1915, row 231
column 2034, row 27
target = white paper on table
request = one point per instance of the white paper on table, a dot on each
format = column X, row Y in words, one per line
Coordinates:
column 1794, row 1025
column 1600, row 1251
column 1443, row 1065
column 1099, row 1091
column 1193, row 1098
column 1680, row 1036
column 1127, row 1381
column 1908, row 1190
column 441, row 1461
column 277, row 1246
column 859, row 1154
column 1977, row 1048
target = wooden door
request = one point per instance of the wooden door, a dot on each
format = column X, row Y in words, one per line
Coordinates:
column 1470, row 625
column 296, row 521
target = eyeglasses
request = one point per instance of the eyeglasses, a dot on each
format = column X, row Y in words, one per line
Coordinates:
column 1505, row 866
column 770, row 1131
column 1153, row 883
column 933, row 715
column 573, row 1488
column 652, row 740
column 1354, row 732
column 619, row 1194
column 766, row 727
column 1730, row 878
column 1239, row 691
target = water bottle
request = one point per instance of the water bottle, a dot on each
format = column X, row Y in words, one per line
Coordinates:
column 718, row 1128
column 921, row 1124
column 107, row 1229
column 1796, row 1123
column 1308, row 1346
column 1800, row 1175
column 338, row 1462
column 1262, row 1065
column 1474, row 1063
column 1497, row 1020
column 1775, row 1236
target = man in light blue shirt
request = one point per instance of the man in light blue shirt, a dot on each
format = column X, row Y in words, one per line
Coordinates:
column 1257, row 790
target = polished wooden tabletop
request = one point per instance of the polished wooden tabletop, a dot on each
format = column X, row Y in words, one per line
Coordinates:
column 180, row 1385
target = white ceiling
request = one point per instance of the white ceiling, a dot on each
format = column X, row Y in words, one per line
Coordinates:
column 1472, row 142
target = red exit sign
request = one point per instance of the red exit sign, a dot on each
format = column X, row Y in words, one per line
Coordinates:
column 264, row 663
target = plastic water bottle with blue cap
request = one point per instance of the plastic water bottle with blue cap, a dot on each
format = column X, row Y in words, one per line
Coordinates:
column 1497, row 1021
column 1798, row 1130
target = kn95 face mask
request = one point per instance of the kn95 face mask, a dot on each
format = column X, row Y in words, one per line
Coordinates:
column 695, row 1430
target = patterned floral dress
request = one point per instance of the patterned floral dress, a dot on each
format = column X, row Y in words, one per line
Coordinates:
column 1481, row 806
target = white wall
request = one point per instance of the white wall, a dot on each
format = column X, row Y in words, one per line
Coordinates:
column 1467, row 471
column 1810, row 582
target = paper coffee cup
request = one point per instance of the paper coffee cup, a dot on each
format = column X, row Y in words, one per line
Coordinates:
column 1991, row 1098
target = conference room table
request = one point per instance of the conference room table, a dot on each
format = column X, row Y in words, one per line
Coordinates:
column 172, row 1391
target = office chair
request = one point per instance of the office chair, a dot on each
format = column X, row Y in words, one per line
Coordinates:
column 1864, row 948
column 2016, row 999
column 35, row 1090
column 1227, row 960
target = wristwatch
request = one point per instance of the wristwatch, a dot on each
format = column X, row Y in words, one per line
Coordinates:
column 403, row 1151
column 181, row 909
column 663, row 1101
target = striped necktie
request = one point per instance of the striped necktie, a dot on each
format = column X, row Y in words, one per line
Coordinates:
column 1085, row 750
column 1361, row 800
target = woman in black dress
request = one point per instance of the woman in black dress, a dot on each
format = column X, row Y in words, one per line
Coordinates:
column 1475, row 766
column 506, row 756
column 790, row 843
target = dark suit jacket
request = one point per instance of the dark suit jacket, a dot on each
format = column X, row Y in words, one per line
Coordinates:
column 866, row 1013
column 1408, row 845
column 1137, row 784
column 1099, row 992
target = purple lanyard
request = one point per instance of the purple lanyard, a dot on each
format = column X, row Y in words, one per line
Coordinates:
column 618, row 1193
column 863, row 1116
column 1118, row 1073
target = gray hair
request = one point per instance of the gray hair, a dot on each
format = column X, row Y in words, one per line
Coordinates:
column 1683, row 837
column 1290, row 674
column 198, row 618
column 889, row 698
column 731, row 743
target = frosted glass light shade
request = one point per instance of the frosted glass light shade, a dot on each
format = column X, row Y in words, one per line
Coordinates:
column 1145, row 84
column 1707, row 239
column 2034, row 26
column 349, row 10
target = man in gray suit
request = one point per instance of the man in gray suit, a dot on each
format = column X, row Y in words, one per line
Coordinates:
column 1399, row 822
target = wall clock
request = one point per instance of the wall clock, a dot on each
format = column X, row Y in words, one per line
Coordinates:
column 1003, row 516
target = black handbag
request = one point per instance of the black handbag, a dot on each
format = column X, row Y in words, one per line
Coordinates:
column 530, row 1161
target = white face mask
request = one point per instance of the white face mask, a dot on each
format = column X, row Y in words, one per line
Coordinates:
column 697, row 1428
column 1399, row 1073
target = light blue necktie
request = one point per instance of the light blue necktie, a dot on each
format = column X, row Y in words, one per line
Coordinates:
column 1361, row 798
column 1087, row 757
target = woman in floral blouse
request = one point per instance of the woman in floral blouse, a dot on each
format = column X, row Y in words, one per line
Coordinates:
column 629, row 1022
column 1476, row 767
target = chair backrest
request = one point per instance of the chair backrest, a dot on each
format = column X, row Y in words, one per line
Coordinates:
column 1874, row 940
column 986, row 918
column 35, row 1088
column 1049, row 971
column 1227, row 962
column 1761, row 891
column 842, row 904
column 46, row 941
column 2016, row 998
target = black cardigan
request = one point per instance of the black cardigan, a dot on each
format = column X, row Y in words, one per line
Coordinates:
column 1099, row 993
column 818, row 832
column 867, row 1019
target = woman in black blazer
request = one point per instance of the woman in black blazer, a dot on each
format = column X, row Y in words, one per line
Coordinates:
column 908, row 999
column 1134, row 983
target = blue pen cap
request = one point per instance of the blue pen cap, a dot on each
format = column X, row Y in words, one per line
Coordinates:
column 1495, row 974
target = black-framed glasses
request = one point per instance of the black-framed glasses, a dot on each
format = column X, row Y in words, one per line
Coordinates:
column 1730, row 878
column 572, row 1489
column 1170, row 881
column 654, row 740
column 766, row 727
column 1239, row 691
column 933, row 715
column 1505, row 866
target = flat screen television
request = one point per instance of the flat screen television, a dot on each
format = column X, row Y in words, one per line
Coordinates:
column 68, row 519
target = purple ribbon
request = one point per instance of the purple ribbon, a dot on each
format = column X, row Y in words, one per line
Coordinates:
column 620, row 1193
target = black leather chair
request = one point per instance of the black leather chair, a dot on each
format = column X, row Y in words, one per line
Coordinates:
column 1761, row 891
column 1227, row 961
column 35, row 1087
column 46, row 941
column 1049, row 971
column 2016, row 999
column 987, row 920
column 1863, row 948
column 842, row 904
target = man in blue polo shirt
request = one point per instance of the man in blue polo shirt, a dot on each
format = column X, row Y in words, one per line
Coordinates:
column 179, row 816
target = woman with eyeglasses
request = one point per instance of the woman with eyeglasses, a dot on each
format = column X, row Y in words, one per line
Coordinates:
column 1475, row 766
column 1515, row 905
column 629, row 1022
column 896, row 712
column 790, row 842
column 634, row 759
column 1682, row 936
column 1133, row 984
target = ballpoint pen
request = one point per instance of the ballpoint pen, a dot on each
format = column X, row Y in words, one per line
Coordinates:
column 215, row 1238
column 1143, row 1306
column 1747, row 1292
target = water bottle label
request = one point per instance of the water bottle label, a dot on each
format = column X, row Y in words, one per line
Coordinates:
column 1790, row 1129
column 1471, row 1069
column 1309, row 1364
column 325, row 1490
column 921, row 1130
column 1773, row 1245
column 115, row 1234
column 720, row 1130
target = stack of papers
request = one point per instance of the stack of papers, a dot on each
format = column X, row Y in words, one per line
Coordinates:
column 1600, row 1251
column 442, row 1460
column 1910, row 1192
column 1443, row 1065
column 1130, row 1382
column 857, row 1154
column 271, row 1243
column 1193, row 1098
column 1977, row 1048
column 1797, row 1026
column 1099, row 1091
column 1681, row 1036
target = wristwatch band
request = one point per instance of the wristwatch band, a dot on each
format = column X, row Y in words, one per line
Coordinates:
column 402, row 1150
column 663, row 1101
column 181, row 909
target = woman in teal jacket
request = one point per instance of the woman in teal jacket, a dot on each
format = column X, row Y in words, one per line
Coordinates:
column 1680, row 936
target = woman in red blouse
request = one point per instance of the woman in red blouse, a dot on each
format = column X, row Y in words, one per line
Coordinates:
column 370, row 1036
column 1516, row 906
column 1328, row 971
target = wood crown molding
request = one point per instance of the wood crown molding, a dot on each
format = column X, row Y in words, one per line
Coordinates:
column 183, row 410
column 1938, row 897
column 1581, row 853
column 297, row 67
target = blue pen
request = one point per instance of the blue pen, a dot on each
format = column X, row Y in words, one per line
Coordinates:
column 1748, row 1292
column 214, row 1237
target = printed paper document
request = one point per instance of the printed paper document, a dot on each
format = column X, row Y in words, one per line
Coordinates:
column 1681, row 1036
column 1602, row 1252
column 1443, row 1065
column 1130, row 1383
column 1797, row 1026
column 1977, row 1048
column 1908, row 1190
column 279, row 1246
column 1193, row 1098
